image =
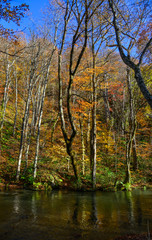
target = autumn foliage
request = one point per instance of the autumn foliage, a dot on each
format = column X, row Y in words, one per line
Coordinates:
column 30, row 107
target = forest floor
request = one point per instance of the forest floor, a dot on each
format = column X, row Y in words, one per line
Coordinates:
column 49, row 178
column 55, row 171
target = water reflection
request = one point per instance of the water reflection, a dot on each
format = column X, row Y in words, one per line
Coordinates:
column 75, row 211
column 69, row 215
column 93, row 212
column 16, row 204
column 138, row 210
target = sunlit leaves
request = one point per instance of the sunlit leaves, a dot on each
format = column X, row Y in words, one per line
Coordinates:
column 9, row 12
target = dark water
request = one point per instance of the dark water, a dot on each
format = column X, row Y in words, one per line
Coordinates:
column 69, row 215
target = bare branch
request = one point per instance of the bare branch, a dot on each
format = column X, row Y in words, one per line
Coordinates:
column 144, row 51
column 76, row 95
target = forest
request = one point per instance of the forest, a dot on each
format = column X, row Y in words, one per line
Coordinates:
column 76, row 96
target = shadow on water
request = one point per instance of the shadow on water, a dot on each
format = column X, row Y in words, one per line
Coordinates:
column 27, row 215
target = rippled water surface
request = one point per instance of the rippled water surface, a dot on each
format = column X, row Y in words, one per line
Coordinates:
column 27, row 215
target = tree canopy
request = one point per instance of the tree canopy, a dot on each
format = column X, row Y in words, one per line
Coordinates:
column 10, row 12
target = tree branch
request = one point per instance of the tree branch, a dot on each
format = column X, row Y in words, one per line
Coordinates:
column 144, row 51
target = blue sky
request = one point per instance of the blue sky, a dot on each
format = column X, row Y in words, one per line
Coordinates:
column 35, row 14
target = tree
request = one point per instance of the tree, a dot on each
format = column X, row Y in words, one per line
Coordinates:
column 131, row 33
column 8, row 63
column 80, row 13
column 9, row 12
column 46, row 69
column 132, row 130
column 32, row 78
column 81, row 18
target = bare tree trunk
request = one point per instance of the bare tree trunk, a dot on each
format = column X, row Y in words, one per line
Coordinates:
column 123, row 110
column 16, row 102
column 53, row 128
column 24, row 126
column 132, row 129
column 93, row 147
column 8, row 66
column 5, row 97
column 93, row 133
column 28, row 141
column 27, row 151
column 82, row 146
column 134, row 154
column 40, row 120
column 37, row 145
column 126, row 58
column 106, row 101
column 46, row 74
column 72, row 71
column 26, row 113
column 88, row 127
column 28, row 132
column 37, row 106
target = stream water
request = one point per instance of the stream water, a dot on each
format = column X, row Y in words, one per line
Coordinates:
column 28, row 215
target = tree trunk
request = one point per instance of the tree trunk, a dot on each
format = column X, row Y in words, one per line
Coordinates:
column 16, row 103
column 39, row 125
column 94, row 110
column 6, row 91
column 41, row 111
column 32, row 78
column 72, row 158
column 142, row 86
column 22, row 139
column 134, row 154
column 126, row 58
column 53, row 127
column 128, row 155
column 72, row 71
column 106, row 101
column 132, row 128
column 82, row 147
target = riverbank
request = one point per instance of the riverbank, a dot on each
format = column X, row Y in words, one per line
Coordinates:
column 53, row 176
column 68, row 183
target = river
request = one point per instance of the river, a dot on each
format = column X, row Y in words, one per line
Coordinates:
column 56, row 215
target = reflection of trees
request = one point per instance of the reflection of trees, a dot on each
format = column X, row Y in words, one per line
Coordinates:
column 119, row 211
column 75, row 212
column 135, row 211
column 16, row 204
column 93, row 212
column 91, row 217
column 129, row 199
column 34, row 199
column 139, row 210
column 131, row 203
